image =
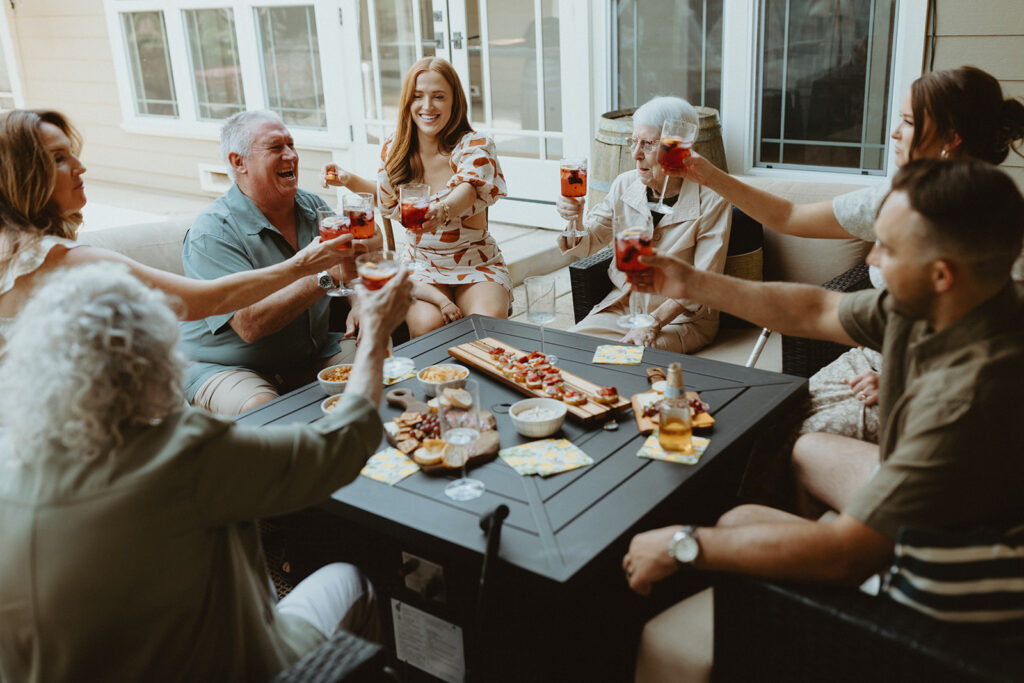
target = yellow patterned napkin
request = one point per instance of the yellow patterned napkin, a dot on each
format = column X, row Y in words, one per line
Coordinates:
column 618, row 355
column 545, row 457
column 389, row 466
column 388, row 381
column 652, row 449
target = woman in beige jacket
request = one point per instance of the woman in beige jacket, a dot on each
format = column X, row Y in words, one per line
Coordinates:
column 696, row 230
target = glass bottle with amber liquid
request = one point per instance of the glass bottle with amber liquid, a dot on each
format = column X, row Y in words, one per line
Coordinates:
column 675, row 430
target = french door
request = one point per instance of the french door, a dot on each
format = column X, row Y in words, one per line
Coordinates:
column 509, row 58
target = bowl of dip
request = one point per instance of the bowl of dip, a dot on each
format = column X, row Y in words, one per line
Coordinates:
column 537, row 417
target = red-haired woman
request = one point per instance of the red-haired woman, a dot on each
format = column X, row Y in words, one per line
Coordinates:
column 434, row 144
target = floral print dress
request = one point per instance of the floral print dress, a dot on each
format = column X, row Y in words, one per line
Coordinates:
column 456, row 254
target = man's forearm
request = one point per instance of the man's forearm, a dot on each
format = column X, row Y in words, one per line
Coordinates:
column 367, row 366
column 276, row 311
column 789, row 308
column 799, row 550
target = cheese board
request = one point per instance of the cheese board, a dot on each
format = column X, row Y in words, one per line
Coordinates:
column 647, row 424
column 477, row 354
column 401, row 432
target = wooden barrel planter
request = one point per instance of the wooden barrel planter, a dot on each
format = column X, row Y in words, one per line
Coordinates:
column 610, row 155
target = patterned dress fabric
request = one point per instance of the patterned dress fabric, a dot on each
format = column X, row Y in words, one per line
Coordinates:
column 27, row 260
column 456, row 254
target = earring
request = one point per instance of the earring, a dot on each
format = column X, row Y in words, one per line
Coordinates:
column 944, row 154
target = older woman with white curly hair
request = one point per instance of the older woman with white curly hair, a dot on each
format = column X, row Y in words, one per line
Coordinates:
column 696, row 230
column 129, row 550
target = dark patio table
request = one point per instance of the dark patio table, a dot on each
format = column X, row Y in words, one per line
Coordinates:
column 558, row 606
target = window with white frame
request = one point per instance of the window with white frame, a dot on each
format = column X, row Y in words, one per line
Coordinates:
column 6, row 90
column 198, row 62
column 821, row 73
column 215, row 67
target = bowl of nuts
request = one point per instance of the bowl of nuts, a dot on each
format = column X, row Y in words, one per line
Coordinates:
column 334, row 378
column 328, row 405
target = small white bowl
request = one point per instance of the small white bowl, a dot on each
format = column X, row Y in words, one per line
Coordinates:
column 435, row 388
column 328, row 404
column 538, row 428
column 331, row 387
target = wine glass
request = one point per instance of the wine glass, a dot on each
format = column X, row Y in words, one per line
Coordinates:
column 414, row 200
column 358, row 209
column 331, row 226
column 460, row 429
column 677, row 138
column 375, row 269
column 540, row 305
column 574, row 184
column 633, row 239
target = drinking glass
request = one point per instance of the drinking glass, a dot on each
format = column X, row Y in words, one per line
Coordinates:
column 331, row 226
column 677, row 138
column 414, row 200
column 460, row 429
column 358, row 210
column 633, row 239
column 375, row 269
column 540, row 305
column 574, row 184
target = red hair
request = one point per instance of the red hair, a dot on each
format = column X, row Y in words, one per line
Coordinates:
column 403, row 163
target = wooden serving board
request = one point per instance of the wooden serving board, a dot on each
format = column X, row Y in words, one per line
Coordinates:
column 484, row 450
column 476, row 354
column 647, row 425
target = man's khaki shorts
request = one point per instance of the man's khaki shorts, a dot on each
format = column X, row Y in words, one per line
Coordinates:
column 230, row 392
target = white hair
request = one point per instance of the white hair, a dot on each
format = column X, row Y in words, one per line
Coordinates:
column 236, row 135
column 657, row 110
column 92, row 354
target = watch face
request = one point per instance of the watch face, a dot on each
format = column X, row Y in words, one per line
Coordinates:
column 684, row 547
column 325, row 281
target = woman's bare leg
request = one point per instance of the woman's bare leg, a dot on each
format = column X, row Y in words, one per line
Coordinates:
column 485, row 298
column 423, row 315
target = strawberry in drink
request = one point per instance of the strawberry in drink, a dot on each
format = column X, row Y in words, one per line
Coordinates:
column 673, row 152
column 332, row 227
column 360, row 223
column 413, row 214
column 630, row 245
column 574, row 182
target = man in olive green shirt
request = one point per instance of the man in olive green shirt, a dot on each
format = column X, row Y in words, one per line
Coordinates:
column 951, row 328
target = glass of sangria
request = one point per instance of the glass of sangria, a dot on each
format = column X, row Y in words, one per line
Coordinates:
column 574, row 185
column 633, row 239
column 358, row 209
column 414, row 200
column 677, row 138
column 375, row 269
column 331, row 226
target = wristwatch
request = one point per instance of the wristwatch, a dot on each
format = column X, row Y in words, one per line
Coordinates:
column 325, row 280
column 684, row 547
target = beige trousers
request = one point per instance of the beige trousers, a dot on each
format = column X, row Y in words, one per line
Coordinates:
column 684, row 337
column 226, row 392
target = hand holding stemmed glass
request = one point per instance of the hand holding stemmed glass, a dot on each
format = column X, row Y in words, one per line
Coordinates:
column 634, row 238
column 375, row 269
column 331, row 226
column 460, row 429
column 677, row 138
column 413, row 205
column 574, row 191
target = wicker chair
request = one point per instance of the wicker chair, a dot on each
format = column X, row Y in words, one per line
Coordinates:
column 343, row 657
column 772, row 631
